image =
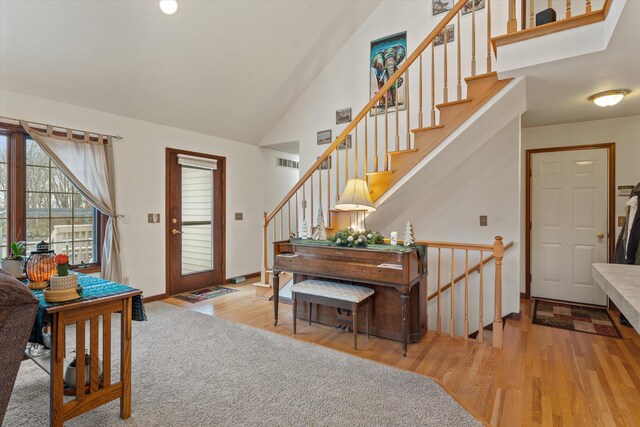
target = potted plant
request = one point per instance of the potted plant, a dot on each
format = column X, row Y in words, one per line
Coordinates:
column 14, row 262
column 70, row 370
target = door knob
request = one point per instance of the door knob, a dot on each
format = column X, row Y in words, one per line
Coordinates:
column 600, row 235
column 174, row 231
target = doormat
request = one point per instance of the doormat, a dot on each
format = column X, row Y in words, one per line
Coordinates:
column 204, row 294
column 592, row 320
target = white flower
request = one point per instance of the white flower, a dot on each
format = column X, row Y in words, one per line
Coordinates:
column 338, row 241
column 362, row 238
column 350, row 239
column 369, row 236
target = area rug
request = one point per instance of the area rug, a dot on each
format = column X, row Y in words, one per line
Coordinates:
column 192, row 369
column 204, row 294
column 592, row 320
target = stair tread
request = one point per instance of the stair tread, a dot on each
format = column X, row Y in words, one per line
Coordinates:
column 427, row 128
column 411, row 150
column 378, row 173
column 481, row 76
column 452, row 103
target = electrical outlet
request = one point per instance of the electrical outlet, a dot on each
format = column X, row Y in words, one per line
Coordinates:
column 483, row 221
column 150, row 219
column 125, row 280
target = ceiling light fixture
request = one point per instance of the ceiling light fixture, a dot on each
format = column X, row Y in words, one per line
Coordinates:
column 168, row 7
column 609, row 98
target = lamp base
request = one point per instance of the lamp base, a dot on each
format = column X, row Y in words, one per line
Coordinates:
column 37, row 285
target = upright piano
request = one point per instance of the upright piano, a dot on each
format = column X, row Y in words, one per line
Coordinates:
column 397, row 274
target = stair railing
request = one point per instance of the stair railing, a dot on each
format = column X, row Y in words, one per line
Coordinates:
column 317, row 183
column 568, row 10
column 439, row 249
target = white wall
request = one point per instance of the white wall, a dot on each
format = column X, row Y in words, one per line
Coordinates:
column 140, row 184
column 624, row 132
column 345, row 80
column 486, row 183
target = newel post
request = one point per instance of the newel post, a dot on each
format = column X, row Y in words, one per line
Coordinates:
column 512, row 23
column 265, row 224
column 498, row 251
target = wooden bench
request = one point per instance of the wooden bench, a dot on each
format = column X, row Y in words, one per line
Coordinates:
column 333, row 294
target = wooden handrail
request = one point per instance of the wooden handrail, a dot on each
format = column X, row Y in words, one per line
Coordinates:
column 450, row 245
column 392, row 80
column 471, row 270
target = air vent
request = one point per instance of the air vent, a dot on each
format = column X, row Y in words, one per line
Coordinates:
column 286, row 163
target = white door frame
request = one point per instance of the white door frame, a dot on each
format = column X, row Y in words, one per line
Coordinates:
column 611, row 167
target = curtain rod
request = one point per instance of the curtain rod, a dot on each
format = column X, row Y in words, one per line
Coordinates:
column 60, row 127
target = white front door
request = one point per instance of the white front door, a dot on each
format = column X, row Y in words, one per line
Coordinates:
column 568, row 224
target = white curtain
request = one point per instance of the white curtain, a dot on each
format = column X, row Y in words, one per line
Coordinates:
column 89, row 166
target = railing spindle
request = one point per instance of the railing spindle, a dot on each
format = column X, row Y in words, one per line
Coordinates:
column 356, row 169
column 459, row 91
column 439, row 319
column 311, row 197
column 337, row 176
column 386, row 132
column 433, row 85
column 304, row 203
column 512, row 23
column 481, row 322
column 375, row 141
column 289, row 218
column 420, row 113
column 320, row 188
column 445, row 92
column 466, row 294
column 329, row 189
column 532, row 22
column 397, row 101
column 408, row 113
column 473, row 38
column 568, row 13
column 346, row 160
column 297, row 218
column 366, row 147
column 588, row 7
column 452, row 324
column 489, row 35
column 498, row 252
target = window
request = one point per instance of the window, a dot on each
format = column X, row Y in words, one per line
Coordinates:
column 42, row 204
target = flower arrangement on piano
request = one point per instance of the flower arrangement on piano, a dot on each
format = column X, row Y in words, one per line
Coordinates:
column 353, row 238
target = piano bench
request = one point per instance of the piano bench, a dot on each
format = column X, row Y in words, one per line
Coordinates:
column 333, row 294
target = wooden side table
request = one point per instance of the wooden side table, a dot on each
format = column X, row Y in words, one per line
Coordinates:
column 99, row 391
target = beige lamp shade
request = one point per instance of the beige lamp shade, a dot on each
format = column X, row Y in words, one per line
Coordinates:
column 355, row 197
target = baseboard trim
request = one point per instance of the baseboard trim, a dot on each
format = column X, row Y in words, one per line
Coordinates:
column 247, row 276
column 153, row 298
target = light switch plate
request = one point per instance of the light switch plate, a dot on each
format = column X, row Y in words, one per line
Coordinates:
column 238, row 216
column 150, row 219
column 483, row 221
column 157, row 218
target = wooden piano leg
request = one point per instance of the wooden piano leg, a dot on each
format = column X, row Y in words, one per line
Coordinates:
column 354, row 310
column 405, row 331
column 294, row 304
column 276, row 296
column 368, row 315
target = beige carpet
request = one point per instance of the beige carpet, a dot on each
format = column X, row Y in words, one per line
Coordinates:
column 191, row 369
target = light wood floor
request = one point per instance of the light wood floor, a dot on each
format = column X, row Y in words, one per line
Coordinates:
column 543, row 376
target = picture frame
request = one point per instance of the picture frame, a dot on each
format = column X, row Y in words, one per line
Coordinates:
column 385, row 57
column 324, row 137
column 468, row 7
column 343, row 116
column 451, row 34
column 326, row 164
column 342, row 145
column 441, row 6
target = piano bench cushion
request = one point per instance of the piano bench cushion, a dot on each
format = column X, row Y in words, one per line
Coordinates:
column 335, row 290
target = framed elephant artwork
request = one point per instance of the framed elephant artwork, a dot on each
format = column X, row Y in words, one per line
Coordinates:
column 387, row 54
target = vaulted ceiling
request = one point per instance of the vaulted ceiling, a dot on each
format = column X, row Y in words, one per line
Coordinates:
column 224, row 68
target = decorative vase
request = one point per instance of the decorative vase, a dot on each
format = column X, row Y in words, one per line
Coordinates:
column 63, row 269
column 14, row 267
column 70, row 374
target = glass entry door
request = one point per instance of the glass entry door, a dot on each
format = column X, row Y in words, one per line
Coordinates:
column 195, row 221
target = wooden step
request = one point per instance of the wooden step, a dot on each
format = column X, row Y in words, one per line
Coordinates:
column 428, row 128
column 371, row 174
column 492, row 74
column 409, row 151
column 452, row 103
column 479, row 84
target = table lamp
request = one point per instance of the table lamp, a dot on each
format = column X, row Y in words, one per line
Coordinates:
column 40, row 266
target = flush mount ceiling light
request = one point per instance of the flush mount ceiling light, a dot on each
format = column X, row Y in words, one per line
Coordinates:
column 168, row 7
column 609, row 98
